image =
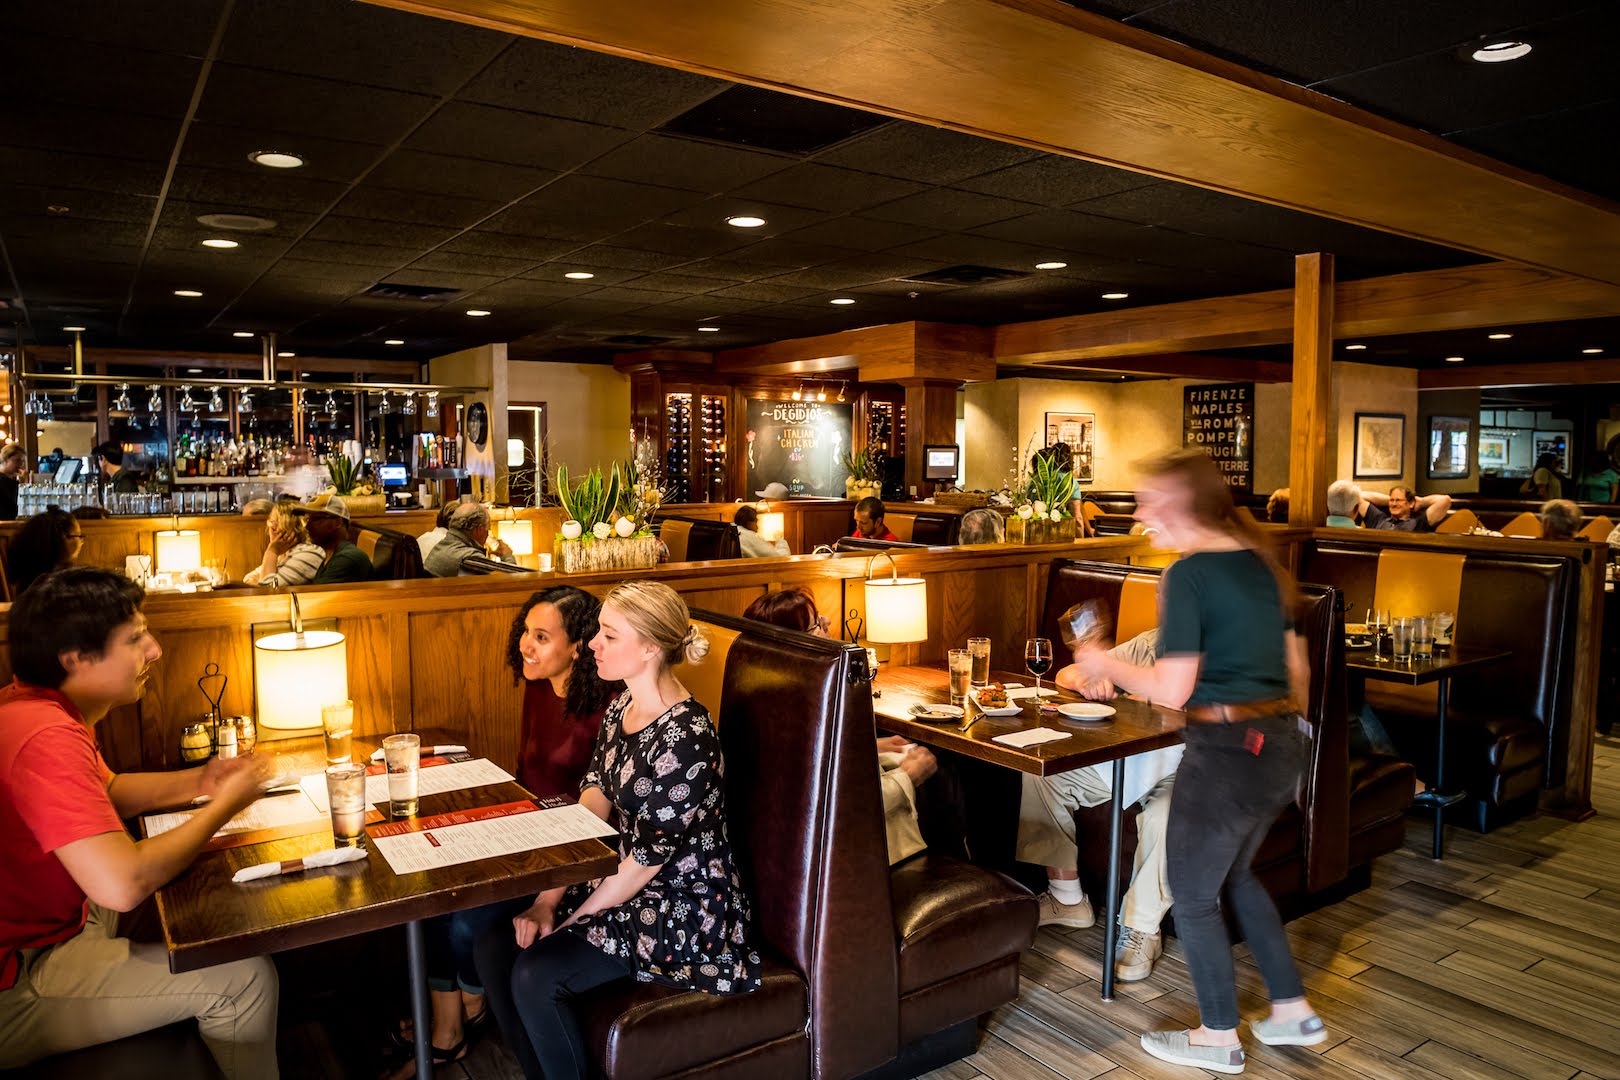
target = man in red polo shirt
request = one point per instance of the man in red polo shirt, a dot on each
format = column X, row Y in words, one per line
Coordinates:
column 79, row 648
column 869, row 520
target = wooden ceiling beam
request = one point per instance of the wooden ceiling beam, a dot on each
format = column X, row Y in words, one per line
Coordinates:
column 1550, row 373
column 1177, row 366
column 1045, row 75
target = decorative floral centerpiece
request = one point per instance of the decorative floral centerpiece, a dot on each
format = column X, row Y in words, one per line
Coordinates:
column 865, row 468
column 607, row 523
column 358, row 491
column 1046, row 488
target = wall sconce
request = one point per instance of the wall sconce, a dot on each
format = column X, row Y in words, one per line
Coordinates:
column 518, row 533
column 896, row 609
column 179, row 551
column 295, row 674
column 514, row 453
column 772, row 527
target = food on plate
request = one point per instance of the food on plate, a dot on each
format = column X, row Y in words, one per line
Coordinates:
column 993, row 696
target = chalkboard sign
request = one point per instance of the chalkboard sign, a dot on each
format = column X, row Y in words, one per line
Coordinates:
column 1219, row 420
column 798, row 444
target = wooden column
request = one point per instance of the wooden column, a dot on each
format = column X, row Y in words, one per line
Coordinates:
column 1310, row 468
column 930, row 420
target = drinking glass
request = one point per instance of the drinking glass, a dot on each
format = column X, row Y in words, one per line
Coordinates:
column 402, row 753
column 979, row 649
column 346, row 791
column 1038, row 661
column 1401, row 635
column 1423, row 638
column 1443, row 621
column 337, row 721
column 959, row 662
column 1378, row 627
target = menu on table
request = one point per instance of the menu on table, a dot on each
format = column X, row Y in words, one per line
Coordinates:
column 435, row 776
column 486, row 832
column 269, row 818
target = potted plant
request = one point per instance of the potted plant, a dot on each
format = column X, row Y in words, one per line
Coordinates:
column 865, row 468
column 358, row 492
column 606, row 523
column 1044, row 516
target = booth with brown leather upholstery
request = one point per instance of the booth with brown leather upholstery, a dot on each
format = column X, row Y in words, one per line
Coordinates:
column 699, row 540
column 1351, row 807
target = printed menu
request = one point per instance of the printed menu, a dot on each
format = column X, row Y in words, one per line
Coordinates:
column 462, row 836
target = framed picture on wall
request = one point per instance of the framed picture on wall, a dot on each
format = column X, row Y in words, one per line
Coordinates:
column 1380, row 449
column 1074, row 430
column 1493, row 451
column 1448, row 448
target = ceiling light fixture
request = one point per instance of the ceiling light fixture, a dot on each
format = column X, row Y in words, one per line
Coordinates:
column 841, row 300
column 1050, row 265
column 74, row 329
column 821, row 394
column 1499, row 337
column 275, row 159
column 394, row 341
column 579, row 275
column 58, row 208
column 745, row 221
column 478, row 312
column 223, row 245
column 1591, row 352
column 193, row 371
column 1115, row 295
column 840, row 391
column 1455, row 359
column 798, row 395
column 285, row 355
column 241, row 333
column 1354, row 348
column 191, row 293
column 708, row 329
column 1500, row 52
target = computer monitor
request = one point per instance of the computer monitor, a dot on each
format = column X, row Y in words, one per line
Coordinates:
column 942, row 462
column 67, row 472
column 393, row 475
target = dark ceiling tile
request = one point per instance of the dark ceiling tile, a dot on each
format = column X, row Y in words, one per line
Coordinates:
column 680, row 283
column 822, row 187
column 729, row 269
column 278, row 104
column 480, row 242
column 1052, row 180
column 687, row 163
column 675, row 240
column 182, row 26
column 764, row 292
column 113, row 78
column 927, row 154
column 181, row 214
column 31, row 200
column 74, row 129
column 950, row 249
column 864, row 234
column 1071, row 231
column 852, row 273
column 359, row 43
column 463, row 281
column 351, row 254
column 1559, row 146
column 470, row 264
column 417, row 208
column 558, row 80
column 266, row 190
column 221, row 146
column 553, row 273
column 354, row 230
column 627, row 296
column 254, row 248
column 610, row 200
column 550, row 224
column 462, row 129
column 948, row 209
column 624, row 258
column 412, row 170
column 713, row 213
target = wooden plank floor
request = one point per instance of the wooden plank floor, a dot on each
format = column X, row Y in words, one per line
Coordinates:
column 1500, row 962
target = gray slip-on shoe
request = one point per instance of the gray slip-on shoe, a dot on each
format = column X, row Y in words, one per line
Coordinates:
column 1306, row 1032
column 1172, row 1046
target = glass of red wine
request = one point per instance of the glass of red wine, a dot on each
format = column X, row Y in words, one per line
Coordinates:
column 1038, row 661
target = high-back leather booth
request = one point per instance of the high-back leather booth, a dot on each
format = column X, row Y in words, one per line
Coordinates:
column 1507, row 734
column 1351, row 808
column 861, row 543
column 698, row 540
column 921, row 527
column 395, row 556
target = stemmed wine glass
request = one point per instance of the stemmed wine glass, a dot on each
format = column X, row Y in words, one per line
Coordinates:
column 1038, row 661
column 1378, row 627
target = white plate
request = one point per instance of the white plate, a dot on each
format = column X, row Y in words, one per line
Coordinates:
column 1009, row 709
column 937, row 712
column 1086, row 710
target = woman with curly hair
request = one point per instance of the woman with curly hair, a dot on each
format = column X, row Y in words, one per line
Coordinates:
column 548, row 650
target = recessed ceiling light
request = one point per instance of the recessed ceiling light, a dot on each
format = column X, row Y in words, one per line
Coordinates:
column 241, row 333
column 579, row 275
column 478, row 312
column 1499, row 337
column 708, row 329
column 275, row 159
column 1498, row 52
column 1354, row 348
column 745, row 221
column 1115, row 295
column 187, row 292
column 1050, row 265
column 216, row 243
column 1591, row 352
column 193, row 371
column 1455, row 359
column 236, row 222
column 841, row 300
column 286, row 354
column 394, row 341
column 74, row 329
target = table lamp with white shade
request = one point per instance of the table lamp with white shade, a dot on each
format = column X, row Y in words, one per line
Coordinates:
column 296, row 674
column 896, row 607
column 179, row 551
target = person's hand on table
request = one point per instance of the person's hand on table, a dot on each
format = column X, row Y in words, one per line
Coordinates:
column 919, row 764
column 892, row 744
column 235, row 781
column 1092, row 663
column 1100, row 689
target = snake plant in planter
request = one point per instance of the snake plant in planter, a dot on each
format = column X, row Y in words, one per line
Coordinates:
column 600, row 532
column 1044, row 517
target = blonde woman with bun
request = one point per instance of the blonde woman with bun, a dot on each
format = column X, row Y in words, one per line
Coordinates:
column 674, row 912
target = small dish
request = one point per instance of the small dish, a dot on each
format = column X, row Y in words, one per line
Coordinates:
column 1086, row 710
column 937, row 712
column 1010, row 709
column 1357, row 642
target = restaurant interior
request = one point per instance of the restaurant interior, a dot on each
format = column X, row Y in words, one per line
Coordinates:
column 617, row 271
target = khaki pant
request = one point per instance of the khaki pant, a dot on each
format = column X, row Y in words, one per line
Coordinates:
column 97, row 987
column 1046, row 837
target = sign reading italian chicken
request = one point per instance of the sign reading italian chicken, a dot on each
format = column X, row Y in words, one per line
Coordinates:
column 798, row 444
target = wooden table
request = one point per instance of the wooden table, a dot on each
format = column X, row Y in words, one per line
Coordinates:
column 1439, row 670
column 209, row 920
column 1135, row 728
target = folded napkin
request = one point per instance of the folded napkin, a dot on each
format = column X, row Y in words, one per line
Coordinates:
column 1032, row 737
column 331, row 857
column 442, row 749
column 1016, row 692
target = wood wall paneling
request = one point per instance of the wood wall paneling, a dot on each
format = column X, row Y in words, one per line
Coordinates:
column 460, row 682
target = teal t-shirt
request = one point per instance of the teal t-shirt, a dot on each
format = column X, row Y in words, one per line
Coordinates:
column 1225, row 607
column 1595, row 487
column 347, row 563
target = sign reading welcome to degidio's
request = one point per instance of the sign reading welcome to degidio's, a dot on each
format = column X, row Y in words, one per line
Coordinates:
column 1219, row 420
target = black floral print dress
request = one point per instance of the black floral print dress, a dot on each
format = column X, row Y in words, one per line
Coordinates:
column 688, row 926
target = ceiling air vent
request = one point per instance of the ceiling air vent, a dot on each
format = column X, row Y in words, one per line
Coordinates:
column 767, row 120
column 637, row 339
column 392, row 290
column 966, row 274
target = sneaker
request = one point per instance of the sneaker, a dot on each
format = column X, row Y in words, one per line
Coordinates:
column 1135, row 955
column 1076, row 916
column 1306, row 1032
column 1172, row 1046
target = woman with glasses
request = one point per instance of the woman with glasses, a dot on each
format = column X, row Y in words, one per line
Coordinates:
column 47, row 541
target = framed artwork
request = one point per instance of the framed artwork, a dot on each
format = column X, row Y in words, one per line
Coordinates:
column 1555, row 443
column 1380, row 449
column 1448, row 448
column 1074, row 430
column 1493, row 451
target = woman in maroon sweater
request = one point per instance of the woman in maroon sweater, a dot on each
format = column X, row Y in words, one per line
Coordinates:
column 563, row 702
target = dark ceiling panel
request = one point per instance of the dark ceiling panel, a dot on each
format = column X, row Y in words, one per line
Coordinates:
column 1054, row 181
column 348, row 230
column 597, row 256
column 179, row 26
column 1558, row 146
column 261, row 191
column 770, row 120
column 413, row 207
column 851, row 273
column 864, row 234
column 479, row 242
column 687, row 163
column 457, row 262
column 221, row 146
column 353, row 254
column 552, row 273
column 436, row 174
column 462, row 129
column 18, row 201
column 675, row 240
column 930, row 155
column 822, row 187
column 764, row 292
column 557, row 80
column 181, row 215
column 280, row 104
column 46, row 68
column 610, row 200
column 74, row 129
column 679, row 284
column 947, row 209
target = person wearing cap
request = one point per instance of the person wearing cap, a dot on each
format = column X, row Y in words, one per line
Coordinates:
column 466, row 536
column 773, row 492
column 328, row 525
